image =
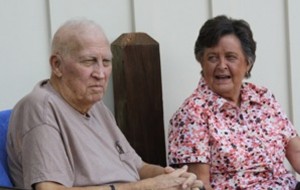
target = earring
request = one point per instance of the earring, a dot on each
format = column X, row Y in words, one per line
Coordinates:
column 247, row 75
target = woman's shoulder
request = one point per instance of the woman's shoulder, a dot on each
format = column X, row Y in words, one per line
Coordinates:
column 256, row 87
column 258, row 91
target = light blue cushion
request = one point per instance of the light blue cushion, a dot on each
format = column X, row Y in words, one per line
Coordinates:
column 4, row 176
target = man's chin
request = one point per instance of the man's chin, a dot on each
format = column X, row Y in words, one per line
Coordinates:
column 97, row 99
column 94, row 98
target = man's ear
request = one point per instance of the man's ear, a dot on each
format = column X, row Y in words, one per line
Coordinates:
column 55, row 63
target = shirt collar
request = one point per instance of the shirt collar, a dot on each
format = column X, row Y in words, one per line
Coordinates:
column 249, row 94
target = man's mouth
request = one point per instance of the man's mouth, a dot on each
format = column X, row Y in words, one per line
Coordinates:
column 97, row 87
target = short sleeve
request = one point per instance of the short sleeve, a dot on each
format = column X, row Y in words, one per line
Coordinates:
column 189, row 136
column 286, row 127
column 44, row 157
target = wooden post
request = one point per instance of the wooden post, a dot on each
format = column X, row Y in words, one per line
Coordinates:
column 138, row 94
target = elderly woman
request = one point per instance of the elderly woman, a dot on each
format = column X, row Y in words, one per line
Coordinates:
column 232, row 134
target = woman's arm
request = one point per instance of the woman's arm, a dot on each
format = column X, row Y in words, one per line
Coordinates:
column 293, row 153
column 203, row 173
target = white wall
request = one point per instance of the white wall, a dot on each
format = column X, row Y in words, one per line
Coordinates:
column 27, row 26
column 23, row 48
column 294, row 60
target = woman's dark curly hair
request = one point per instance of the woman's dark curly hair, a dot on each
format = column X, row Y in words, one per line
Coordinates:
column 219, row 26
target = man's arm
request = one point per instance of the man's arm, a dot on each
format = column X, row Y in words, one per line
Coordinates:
column 150, row 170
column 121, row 186
column 56, row 186
column 171, row 180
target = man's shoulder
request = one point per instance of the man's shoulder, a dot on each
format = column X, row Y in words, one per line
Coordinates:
column 35, row 98
column 35, row 107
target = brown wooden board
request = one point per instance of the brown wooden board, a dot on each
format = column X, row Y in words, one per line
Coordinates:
column 138, row 94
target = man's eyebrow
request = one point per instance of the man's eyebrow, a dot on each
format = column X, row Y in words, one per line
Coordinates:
column 86, row 56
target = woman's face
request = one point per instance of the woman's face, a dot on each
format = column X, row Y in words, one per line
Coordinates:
column 224, row 67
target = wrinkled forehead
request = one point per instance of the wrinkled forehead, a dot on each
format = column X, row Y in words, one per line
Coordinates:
column 76, row 41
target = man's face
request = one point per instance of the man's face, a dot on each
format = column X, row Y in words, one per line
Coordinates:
column 85, row 71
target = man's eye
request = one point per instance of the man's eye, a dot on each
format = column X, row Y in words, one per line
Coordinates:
column 106, row 62
column 88, row 62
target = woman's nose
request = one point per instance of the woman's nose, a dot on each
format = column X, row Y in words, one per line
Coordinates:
column 223, row 64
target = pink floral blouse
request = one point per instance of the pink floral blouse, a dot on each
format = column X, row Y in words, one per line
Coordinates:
column 244, row 146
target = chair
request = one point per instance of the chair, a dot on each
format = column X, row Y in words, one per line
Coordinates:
column 4, row 176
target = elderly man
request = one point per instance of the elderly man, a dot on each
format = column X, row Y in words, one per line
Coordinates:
column 62, row 136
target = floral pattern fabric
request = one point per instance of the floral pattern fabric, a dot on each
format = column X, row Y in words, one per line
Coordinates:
column 244, row 146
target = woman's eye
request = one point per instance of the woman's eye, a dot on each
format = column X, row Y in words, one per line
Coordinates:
column 231, row 57
column 213, row 59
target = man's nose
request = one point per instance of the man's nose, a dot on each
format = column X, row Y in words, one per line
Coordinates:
column 99, row 70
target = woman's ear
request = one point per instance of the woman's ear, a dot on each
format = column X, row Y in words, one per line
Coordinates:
column 249, row 68
column 55, row 63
